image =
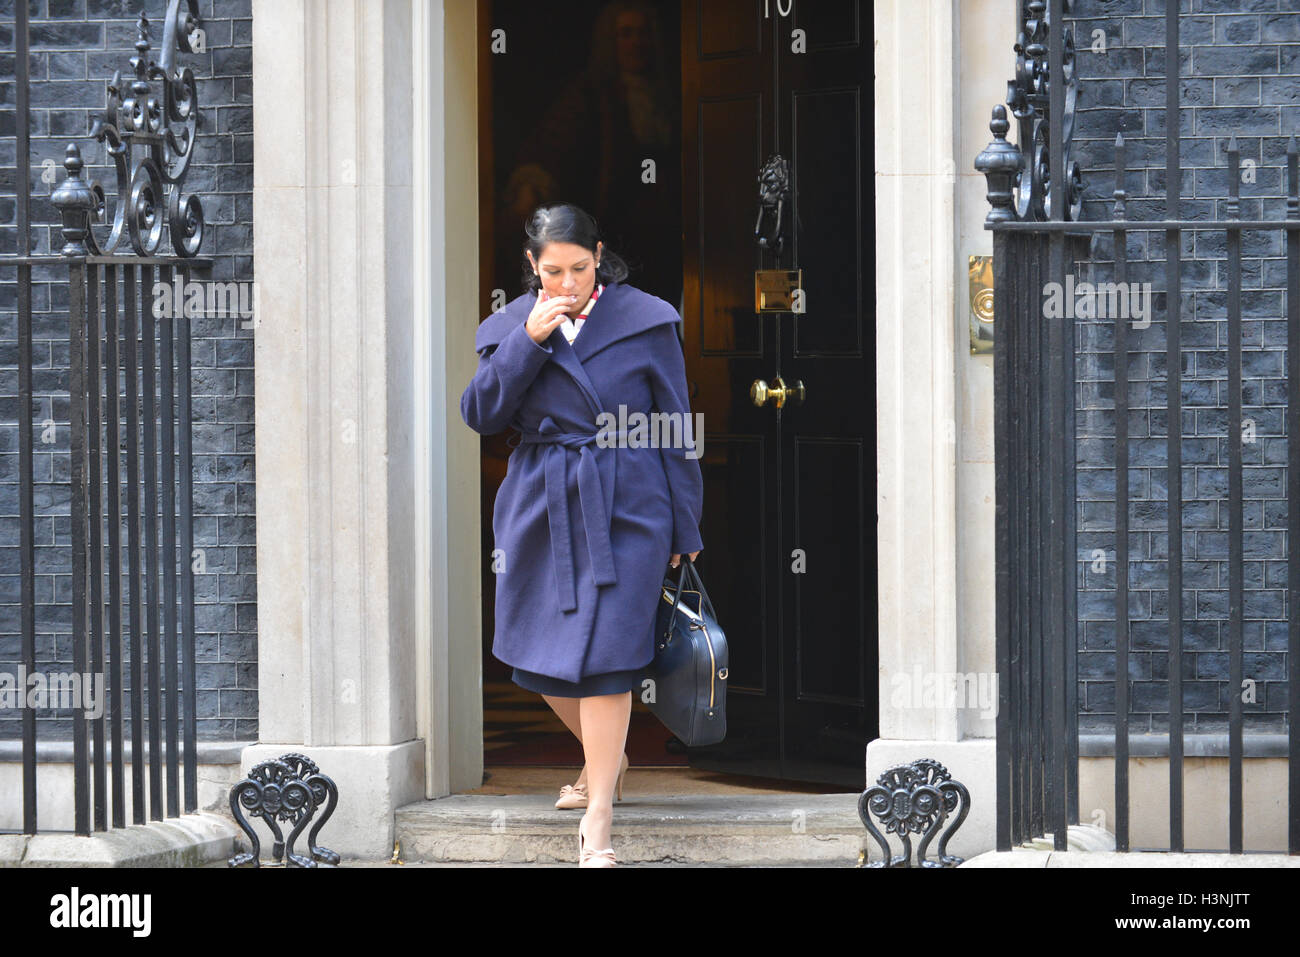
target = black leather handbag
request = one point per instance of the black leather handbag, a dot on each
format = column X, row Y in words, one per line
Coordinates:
column 689, row 670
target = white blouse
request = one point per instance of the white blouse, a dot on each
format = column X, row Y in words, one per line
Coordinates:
column 571, row 327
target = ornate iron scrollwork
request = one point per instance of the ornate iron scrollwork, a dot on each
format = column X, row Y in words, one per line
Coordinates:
column 911, row 799
column 324, row 793
column 290, row 788
column 150, row 189
column 773, row 194
column 1020, row 176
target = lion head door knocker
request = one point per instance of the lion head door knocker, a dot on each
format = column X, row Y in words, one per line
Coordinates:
column 910, row 799
column 773, row 193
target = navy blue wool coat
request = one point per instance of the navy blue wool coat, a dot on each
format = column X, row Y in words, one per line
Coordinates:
column 585, row 531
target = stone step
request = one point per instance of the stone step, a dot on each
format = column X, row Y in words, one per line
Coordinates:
column 745, row 830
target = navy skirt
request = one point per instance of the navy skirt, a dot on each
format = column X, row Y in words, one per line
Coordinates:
column 608, row 682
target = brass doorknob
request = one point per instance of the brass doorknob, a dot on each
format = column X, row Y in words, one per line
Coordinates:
column 777, row 394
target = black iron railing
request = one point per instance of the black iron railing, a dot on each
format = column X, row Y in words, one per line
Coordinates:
column 117, row 336
column 1037, row 719
column 1037, row 722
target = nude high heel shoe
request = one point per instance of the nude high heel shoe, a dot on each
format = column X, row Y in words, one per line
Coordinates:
column 592, row 858
column 575, row 795
column 572, row 796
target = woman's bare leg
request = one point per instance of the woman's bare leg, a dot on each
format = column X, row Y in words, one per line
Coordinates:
column 604, row 722
column 568, row 712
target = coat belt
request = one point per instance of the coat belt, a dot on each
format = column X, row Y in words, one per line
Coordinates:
column 592, row 503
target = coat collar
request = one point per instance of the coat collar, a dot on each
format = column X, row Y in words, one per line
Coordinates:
column 621, row 311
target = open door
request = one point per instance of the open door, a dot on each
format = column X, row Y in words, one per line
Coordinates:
column 790, row 515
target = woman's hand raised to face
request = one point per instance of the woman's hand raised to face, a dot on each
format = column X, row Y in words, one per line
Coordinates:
column 546, row 315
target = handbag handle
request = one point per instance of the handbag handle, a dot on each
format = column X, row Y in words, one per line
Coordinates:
column 672, row 618
column 704, row 595
column 694, row 577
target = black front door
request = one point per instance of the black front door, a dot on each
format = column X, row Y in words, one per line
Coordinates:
column 790, row 509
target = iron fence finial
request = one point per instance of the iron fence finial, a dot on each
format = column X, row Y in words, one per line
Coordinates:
column 1000, row 162
column 75, row 200
column 1040, row 133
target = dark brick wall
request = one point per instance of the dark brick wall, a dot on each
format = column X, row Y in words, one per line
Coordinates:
column 77, row 45
column 1240, row 67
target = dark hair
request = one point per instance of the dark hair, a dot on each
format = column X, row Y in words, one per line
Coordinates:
column 566, row 223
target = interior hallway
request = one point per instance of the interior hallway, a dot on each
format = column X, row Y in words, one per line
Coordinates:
column 528, row 750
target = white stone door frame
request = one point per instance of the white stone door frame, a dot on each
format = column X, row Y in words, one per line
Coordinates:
column 366, row 215
column 447, row 568
column 367, row 480
column 940, row 68
column 934, row 410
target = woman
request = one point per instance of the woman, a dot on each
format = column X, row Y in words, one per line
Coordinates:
column 586, row 516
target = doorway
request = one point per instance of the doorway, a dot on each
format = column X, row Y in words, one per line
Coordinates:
column 658, row 125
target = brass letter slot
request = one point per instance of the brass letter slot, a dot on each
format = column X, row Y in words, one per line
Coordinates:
column 778, row 290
